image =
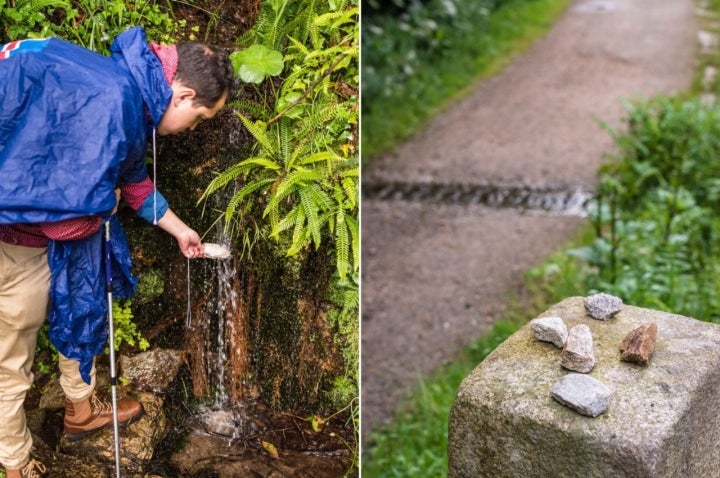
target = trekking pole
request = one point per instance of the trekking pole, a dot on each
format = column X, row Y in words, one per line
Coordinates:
column 111, row 326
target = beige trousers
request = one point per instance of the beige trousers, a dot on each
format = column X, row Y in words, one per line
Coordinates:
column 24, row 297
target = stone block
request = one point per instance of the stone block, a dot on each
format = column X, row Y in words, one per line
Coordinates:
column 662, row 419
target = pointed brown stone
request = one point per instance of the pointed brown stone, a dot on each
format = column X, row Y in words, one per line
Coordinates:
column 639, row 344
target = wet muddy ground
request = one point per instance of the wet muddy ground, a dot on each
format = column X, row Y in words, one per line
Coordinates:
column 443, row 245
column 249, row 441
column 287, row 447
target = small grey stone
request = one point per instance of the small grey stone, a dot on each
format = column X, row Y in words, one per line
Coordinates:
column 578, row 353
column 550, row 329
column 586, row 395
column 603, row 306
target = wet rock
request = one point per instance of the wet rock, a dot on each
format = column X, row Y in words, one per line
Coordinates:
column 219, row 422
column 52, row 396
column 578, row 354
column 639, row 344
column 550, row 329
column 242, row 420
column 152, row 371
column 582, row 393
column 603, row 306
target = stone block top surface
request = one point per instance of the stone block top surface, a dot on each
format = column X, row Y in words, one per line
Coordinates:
column 648, row 408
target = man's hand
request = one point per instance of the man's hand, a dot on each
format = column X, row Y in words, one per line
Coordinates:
column 188, row 240
column 190, row 245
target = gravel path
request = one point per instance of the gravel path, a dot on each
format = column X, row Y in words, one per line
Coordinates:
column 437, row 272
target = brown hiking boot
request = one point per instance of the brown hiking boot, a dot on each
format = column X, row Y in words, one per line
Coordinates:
column 92, row 414
column 34, row 469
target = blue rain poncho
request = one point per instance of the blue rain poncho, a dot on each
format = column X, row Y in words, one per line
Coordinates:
column 74, row 125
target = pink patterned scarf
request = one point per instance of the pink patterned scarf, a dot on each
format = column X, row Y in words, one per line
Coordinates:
column 168, row 59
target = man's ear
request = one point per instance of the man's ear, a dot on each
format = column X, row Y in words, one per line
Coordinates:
column 182, row 93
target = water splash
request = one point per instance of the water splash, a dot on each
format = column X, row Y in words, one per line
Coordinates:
column 226, row 306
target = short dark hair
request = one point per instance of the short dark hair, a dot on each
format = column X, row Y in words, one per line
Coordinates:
column 206, row 69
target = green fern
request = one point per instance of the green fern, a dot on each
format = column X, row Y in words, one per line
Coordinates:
column 303, row 173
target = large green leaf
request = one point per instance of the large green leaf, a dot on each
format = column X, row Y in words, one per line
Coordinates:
column 256, row 63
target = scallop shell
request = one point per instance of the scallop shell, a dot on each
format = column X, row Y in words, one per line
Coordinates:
column 216, row 251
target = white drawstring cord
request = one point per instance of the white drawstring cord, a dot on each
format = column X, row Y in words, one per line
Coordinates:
column 154, row 181
column 188, row 312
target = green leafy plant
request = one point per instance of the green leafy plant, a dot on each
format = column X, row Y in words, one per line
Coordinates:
column 93, row 24
column 30, row 18
column 125, row 328
column 302, row 177
column 656, row 234
column 256, row 63
column 305, row 166
column 150, row 285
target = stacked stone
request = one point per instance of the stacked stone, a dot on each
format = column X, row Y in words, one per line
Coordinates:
column 578, row 391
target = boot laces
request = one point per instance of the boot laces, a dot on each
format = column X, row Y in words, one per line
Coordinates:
column 100, row 406
column 32, row 468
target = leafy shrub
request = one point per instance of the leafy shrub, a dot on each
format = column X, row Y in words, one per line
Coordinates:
column 305, row 168
column 657, row 241
column 93, row 24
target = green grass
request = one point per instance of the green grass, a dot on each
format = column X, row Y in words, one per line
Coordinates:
column 415, row 445
column 391, row 117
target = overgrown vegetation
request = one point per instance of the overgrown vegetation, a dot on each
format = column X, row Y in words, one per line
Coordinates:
column 419, row 55
column 304, row 173
column 93, row 24
column 652, row 239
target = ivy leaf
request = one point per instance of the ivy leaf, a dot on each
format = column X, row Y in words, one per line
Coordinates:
column 256, row 63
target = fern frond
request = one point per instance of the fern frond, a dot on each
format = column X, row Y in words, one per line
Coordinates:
column 299, row 232
column 352, row 172
column 240, row 196
column 273, row 217
column 286, row 187
column 311, row 212
column 300, row 47
column 259, row 132
column 302, row 148
column 355, row 244
column 319, row 118
column 289, row 220
column 30, row 7
column 350, row 188
column 248, row 38
column 293, row 178
column 223, row 179
column 320, row 197
column 252, row 108
column 284, row 139
column 342, row 244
